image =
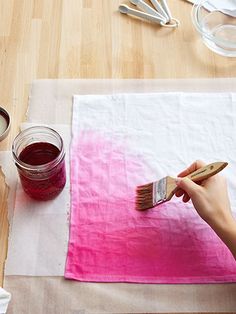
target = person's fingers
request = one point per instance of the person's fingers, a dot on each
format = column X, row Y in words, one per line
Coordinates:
column 188, row 186
column 186, row 198
column 194, row 166
column 179, row 193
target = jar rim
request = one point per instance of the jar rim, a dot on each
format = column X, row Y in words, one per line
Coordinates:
column 37, row 168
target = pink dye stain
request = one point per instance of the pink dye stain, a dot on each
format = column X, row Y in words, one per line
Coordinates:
column 111, row 241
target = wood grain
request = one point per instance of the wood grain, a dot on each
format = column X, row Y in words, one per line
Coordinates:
column 90, row 39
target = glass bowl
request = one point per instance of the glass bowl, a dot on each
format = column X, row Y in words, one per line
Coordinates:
column 217, row 29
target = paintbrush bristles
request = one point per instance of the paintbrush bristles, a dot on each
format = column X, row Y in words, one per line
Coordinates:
column 144, row 197
column 152, row 194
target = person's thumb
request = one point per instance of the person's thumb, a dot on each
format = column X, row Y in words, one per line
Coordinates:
column 187, row 185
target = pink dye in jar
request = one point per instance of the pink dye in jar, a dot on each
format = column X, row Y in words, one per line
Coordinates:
column 40, row 159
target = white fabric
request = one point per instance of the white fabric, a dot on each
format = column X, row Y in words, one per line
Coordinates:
column 4, row 300
column 179, row 128
column 226, row 6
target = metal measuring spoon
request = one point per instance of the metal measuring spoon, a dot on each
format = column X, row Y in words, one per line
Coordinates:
column 123, row 8
column 166, row 9
column 160, row 9
column 146, row 8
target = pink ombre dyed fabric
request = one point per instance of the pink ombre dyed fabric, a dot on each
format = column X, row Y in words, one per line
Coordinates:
column 111, row 242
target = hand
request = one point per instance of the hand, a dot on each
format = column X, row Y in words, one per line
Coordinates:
column 211, row 201
column 210, row 197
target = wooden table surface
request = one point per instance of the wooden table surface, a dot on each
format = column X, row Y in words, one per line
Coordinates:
column 90, row 39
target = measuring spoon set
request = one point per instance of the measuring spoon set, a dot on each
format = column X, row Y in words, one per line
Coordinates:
column 159, row 13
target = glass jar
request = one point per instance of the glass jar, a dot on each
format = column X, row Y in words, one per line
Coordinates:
column 39, row 156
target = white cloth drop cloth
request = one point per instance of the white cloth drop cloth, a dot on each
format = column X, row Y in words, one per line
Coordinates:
column 39, row 230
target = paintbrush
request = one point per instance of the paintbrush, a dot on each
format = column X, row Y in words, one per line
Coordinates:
column 155, row 193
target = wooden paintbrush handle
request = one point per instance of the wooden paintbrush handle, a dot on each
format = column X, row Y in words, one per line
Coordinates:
column 207, row 171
